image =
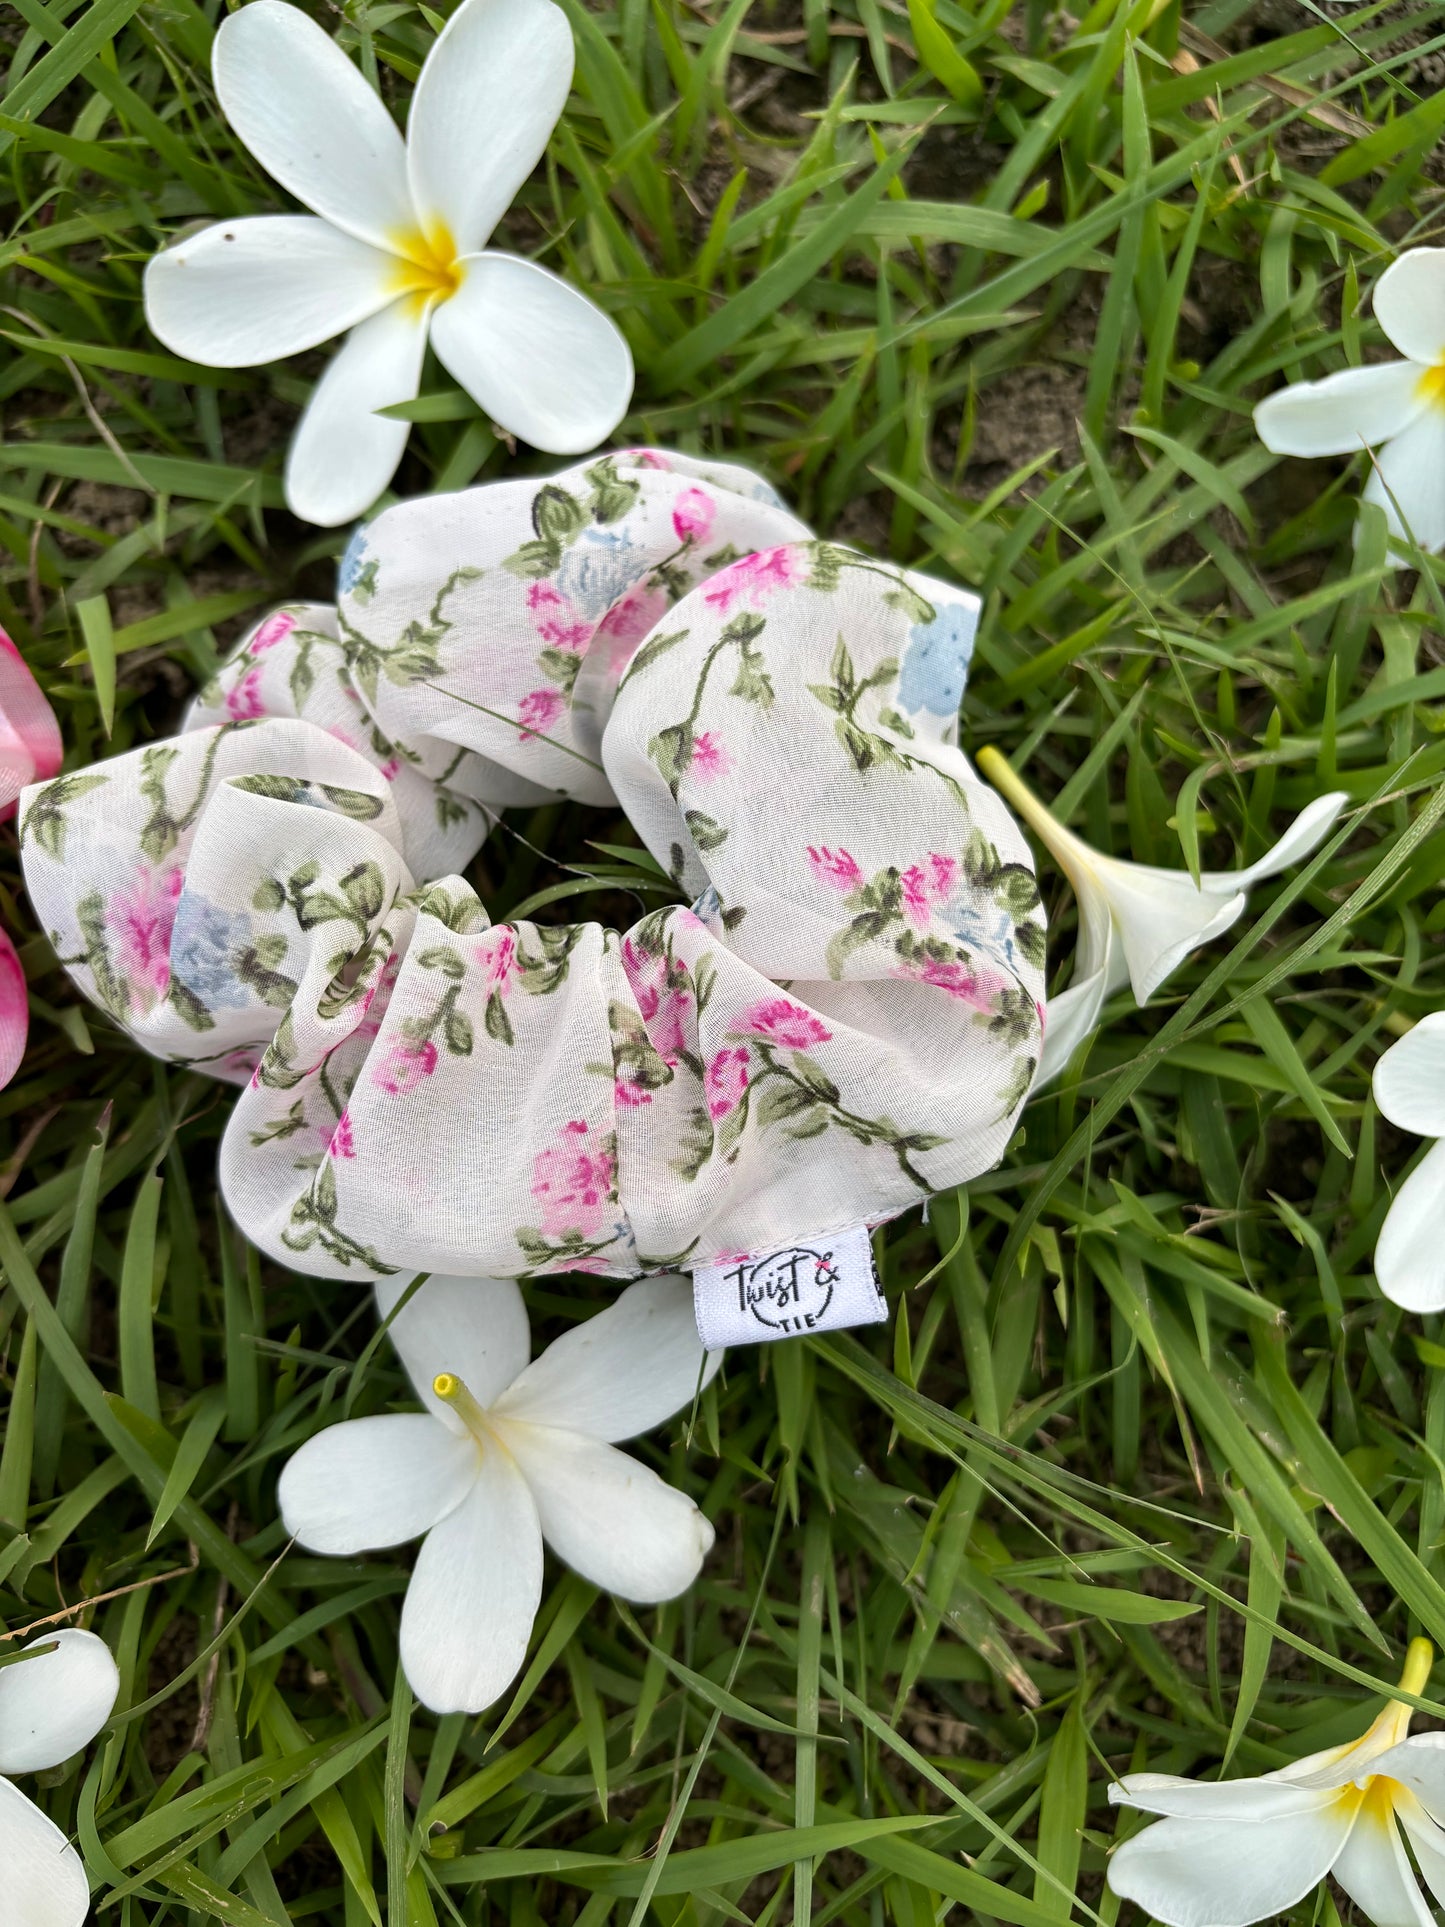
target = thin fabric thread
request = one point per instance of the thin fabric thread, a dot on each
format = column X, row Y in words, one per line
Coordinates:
column 847, row 1018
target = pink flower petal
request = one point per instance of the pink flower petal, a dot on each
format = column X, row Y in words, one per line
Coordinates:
column 14, row 1011
column 30, row 746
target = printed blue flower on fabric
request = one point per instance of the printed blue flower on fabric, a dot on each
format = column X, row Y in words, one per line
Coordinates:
column 598, row 570
column 203, row 943
column 936, row 659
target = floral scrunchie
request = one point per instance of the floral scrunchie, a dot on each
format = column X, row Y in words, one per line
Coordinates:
column 846, row 1019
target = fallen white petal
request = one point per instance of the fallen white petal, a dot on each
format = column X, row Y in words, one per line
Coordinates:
column 474, row 1594
column 1419, row 1764
column 344, row 454
column 1174, row 1797
column 1301, row 839
column 536, row 354
column 608, row 1516
column 1068, row 1020
column 1410, row 1256
column 491, row 91
column 1407, row 480
column 54, row 1704
column 474, row 1328
column 1410, row 303
column 1427, row 1840
column 1375, row 1872
column 372, row 1482
column 250, row 291
column 41, row 1874
column 1343, row 413
column 622, row 1372
column 1409, row 1081
column 1161, row 917
column 310, row 119
column 1228, row 1872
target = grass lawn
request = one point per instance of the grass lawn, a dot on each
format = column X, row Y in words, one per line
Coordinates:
column 1145, row 1470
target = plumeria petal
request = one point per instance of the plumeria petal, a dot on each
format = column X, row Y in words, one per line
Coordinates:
column 545, row 363
column 1357, row 408
column 610, row 1518
column 372, row 1482
column 1375, row 1870
column 1427, row 1842
column 43, row 1876
column 475, row 1328
column 30, row 747
column 1409, row 1081
column 1177, row 1798
column 1301, row 839
column 620, row 1373
column 1410, row 1256
column 1410, row 303
column 474, row 1594
column 492, row 90
column 1161, row 918
column 1226, row 1870
column 14, row 1011
column 56, row 1702
column 249, row 291
column 1069, row 1018
column 1419, row 1764
column 312, row 122
column 1408, row 481
column 344, row 454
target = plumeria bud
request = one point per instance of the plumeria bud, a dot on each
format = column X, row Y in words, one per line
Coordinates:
column 1137, row 923
column 1409, row 1086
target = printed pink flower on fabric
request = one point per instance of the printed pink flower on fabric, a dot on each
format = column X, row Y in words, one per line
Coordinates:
column 629, row 1096
column 30, row 746
column 980, row 990
column 538, row 712
column 692, row 515
column 405, row 1065
column 343, row 1139
column 14, row 1011
column 664, row 1006
column 572, row 1180
column 783, row 1022
column 753, row 579
column 629, row 620
column 274, row 629
column 926, row 884
column 835, row 868
column 725, row 1080
column 243, row 699
column 709, row 758
column 557, row 621
column 140, row 919
column 497, row 957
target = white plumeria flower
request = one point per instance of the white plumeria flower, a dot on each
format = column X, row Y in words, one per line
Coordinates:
column 1137, row 923
column 398, row 251
column 1395, row 406
column 52, row 1703
column 1229, row 1852
column 506, row 1455
column 1410, row 1092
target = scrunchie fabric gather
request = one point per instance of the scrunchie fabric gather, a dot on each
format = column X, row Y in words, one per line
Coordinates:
column 846, row 1017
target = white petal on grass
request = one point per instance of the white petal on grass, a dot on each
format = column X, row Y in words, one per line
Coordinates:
column 1343, row 413
column 1375, row 1872
column 534, row 353
column 55, row 1703
column 1301, row 839
column 1161, row 917
column 309, row 117
column 611, row 1518
column 1410, row 1255
column 475, row 1328
column 1409, row 1079
column 1407, row 480
column 1419, row 1764
column 1410, row 303
column 1174, row 1797
column 491, row 91
column 43, row 1876
column 622, row 1372
column 253, row 290
column 1068, row 1020
column 372, row 1482
column 474, row 1595
column 1229, row 1872
column 344, row 454
column 1428, row 1843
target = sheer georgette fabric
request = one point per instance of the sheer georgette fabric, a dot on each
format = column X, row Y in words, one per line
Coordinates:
column 843, row 1017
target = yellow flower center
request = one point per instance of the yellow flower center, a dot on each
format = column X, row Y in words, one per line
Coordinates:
column 453, row 1391
column 426, row 263
column 1432, row 385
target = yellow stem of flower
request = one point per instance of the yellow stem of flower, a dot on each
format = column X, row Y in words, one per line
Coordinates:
column 448, row 1386
column 1010, row 785
column 1418, row 1661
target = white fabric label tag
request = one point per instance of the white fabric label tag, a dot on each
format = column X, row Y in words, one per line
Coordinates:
column 822, row 1286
